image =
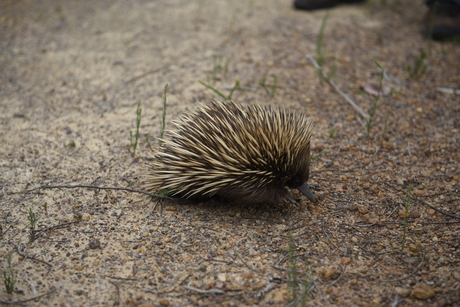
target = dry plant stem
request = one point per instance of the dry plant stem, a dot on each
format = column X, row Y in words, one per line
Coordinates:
column 119, row 278
column 95, row 188
column 27, row 300
column 20, row 250
column 36, row 232
column 331, row 83
column 210, row 291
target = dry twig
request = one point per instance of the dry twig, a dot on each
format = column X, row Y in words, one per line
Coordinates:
column 335, row 87
column 210, row 291
column 93, row 187
column 20, row 250
column 27, row 300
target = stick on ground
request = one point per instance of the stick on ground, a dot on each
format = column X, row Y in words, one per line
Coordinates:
column 331, row 83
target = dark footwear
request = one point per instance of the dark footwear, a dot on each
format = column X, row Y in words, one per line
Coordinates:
column 320, row 4
column 442, row 22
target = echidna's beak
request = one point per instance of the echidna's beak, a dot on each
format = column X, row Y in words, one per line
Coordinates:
column 307, row 192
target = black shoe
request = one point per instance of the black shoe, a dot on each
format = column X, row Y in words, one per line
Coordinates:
column 320, row 4
column 442, row 22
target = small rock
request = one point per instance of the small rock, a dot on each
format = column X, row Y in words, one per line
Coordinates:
column 403, row 213
column 389, row 146
column 219, row 285
column 353, row 282
column 411, row 260
column 79, row 267
column 209, row 285
column 246, row 275
column 373, row 218
column 346, row 261
column 422, row 292
column 221, row 277
column 330, row 274
column 203, row 268
column 362, row 209
column 414, row 248
column 163, row 302
column 319, row 147
column 93, row 244
column 252, row 252
column 402, row 292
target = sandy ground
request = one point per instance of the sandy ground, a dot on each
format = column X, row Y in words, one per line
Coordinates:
column 72, row 73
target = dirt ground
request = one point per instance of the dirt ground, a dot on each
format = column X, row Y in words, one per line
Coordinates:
column 385, row 231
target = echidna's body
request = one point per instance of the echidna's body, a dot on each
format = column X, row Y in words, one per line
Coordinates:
column 243, row 154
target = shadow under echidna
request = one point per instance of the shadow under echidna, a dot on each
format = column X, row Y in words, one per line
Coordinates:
column 249, row 155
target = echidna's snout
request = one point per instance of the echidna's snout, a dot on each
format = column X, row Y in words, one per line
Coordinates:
column 305, row 190
column 299, row 182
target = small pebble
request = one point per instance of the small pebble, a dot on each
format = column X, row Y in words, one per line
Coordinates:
column 330, row 274
column 402, row 292
column 246, row 275
column 93, row 244
column 79, row 267
column 209, row 285
column 422, row 292
column 222, row 277
column 163, row 302
column 346, row 261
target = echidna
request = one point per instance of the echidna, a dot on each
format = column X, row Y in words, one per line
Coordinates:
column 243, row 154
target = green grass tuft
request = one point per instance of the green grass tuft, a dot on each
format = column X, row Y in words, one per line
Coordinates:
column 406, row 213
column 369, row 121
column 32, row 219
column 134, row 138
column 163, row 117
column 225, row 97
column 9, row 275
column 419, row 67
column 300, row 282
